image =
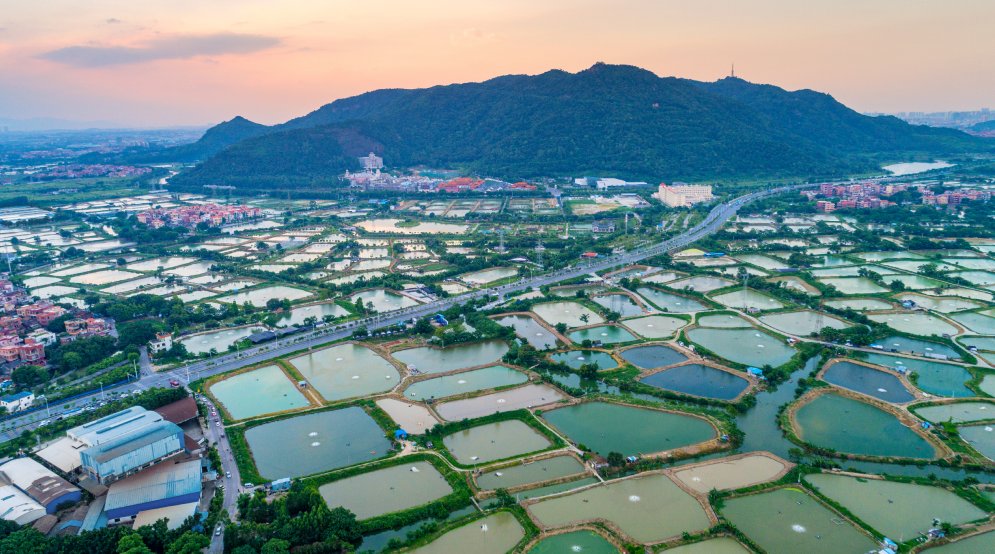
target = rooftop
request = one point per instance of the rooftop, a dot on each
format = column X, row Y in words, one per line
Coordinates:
column 113, row 426
column 166, row 480
column 123, row 444
column 36, row 480
column 179, row 411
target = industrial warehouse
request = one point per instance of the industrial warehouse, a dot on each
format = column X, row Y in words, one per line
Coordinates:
column 139, row 466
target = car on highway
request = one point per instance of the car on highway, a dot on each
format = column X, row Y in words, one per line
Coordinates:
column 174, row 383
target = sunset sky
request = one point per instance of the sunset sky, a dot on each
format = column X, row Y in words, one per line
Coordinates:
column 184, row 62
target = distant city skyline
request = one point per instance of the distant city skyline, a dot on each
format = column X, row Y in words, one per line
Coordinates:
column 182, row 62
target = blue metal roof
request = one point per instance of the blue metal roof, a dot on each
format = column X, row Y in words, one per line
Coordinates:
column 162, row 481
column 133, row 441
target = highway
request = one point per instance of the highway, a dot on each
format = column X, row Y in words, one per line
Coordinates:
column 712, row 222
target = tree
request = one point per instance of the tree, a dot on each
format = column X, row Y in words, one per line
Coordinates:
column 189, row 543
column 132, row 544
column 275, row 546
column 27, row 376
column 138, row 332
column 616, row 459
column 24, row 541
column 561, row 328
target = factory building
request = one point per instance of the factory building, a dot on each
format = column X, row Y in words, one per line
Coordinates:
column 160, row 486
column 18, row 507
column 39, row 483
column 130, row 453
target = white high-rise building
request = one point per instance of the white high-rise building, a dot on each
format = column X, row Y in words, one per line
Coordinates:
column 684, row 195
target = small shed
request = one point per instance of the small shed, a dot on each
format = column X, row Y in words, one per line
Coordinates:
column 400, row 434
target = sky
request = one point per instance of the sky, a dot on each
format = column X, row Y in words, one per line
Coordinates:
column 196, row 62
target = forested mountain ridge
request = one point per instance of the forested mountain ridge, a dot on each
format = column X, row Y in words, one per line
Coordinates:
column 608, row 119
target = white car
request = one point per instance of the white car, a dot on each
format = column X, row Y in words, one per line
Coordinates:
column 228, row 474
column 217, row 531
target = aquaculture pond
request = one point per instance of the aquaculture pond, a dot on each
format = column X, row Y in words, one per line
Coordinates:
column 803, row 323
column 860, row 304
column 259, row 297
column 899, row 510
column 721, row 545
column 853, row 285
column 495, row 534
column 745, row 346
column 866, row 380
column 983, row 542
column 945, row 304
column 788, row 520
column 670, row 302
column 916, row 346
column 981, row 438
column 527, row 396
column 577, row 358
column 619, row 303
column 386, row 490
column 494, row 441
column 748, row 299
column 847, row 425
column 723, row 321
column 701, row 283
column 648, row 508
column 261, row 391
column 556, row 489
column 698, row 380
column 530, row 331
column 655, row 326
column 383, row 300
column 219, row 341
column 607, row 334
column 316, row 442
column 346, row 371
column 605, row 427
column 976, row 321
column 957, row 412
column 932, row 377
column 652, row 356
column 490, row 275
column 468, row 381
column 568, row 312
column 530, row 472
column 916, row 323
column 298, row 316
column 728, row 474
column 439, row 360
column 584, row 541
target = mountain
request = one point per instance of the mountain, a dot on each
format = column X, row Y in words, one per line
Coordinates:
column 214, row 140
column 605, row 120
column 984, row 126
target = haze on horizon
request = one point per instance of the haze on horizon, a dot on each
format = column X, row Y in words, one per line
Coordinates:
column 185, row 62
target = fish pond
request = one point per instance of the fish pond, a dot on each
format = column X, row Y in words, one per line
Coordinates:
column 439, row 360
column 619, row 303
column 383, row 300
column 298, row 316
column 957, row 412
column 468, row 381
column 219, row 341
column 261, row 391
column 607, row 334
column 698, row 380
column 788, row 520
column 983, row 542
column 748, row 299
column 571, row 314
column 647, row 357
column 896, row 509
column 867, row 380
column 655, row 326
column 386, row 490
column 744, row 346
column 501, row 401
column 530, row 331
column 316, row 442
column 853, row 427
column 577, row 358
column 916, row 346
column 932, row 377
column 584, row 541
column 648, row 508
column 494, row 441
column 917, row 323
column 669, row 302
column 803, row 323
column 532, row 472
column 721, row 545
column 981, row 438
column 346, row 371
column 605, row 427
column 495, row 534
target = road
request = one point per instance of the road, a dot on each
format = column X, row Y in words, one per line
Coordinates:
column 712, row 222
column 229, row 475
